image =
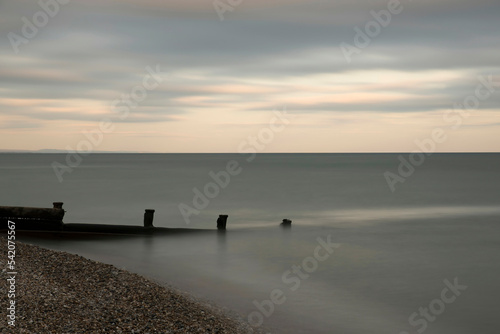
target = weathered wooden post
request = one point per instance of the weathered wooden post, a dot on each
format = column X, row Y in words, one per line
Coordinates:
column 148, row 217
column 286, row 223
column 221, row 222
column 58, row 205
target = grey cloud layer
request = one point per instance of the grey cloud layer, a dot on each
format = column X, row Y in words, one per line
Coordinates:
column 97, row 50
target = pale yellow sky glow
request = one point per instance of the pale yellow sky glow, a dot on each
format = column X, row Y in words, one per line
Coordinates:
column 220, row 81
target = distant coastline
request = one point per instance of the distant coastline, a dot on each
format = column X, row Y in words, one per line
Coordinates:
column 57, row 151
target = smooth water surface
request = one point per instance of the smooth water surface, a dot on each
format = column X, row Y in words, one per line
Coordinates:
column 395, row 249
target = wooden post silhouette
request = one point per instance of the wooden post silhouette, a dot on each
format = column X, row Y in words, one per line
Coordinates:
column 58, row 205
column 286, row 223
column 221, row 222
column 148, row 217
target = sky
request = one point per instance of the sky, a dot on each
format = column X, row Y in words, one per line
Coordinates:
column 233, row 75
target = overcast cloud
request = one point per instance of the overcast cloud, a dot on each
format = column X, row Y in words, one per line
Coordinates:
column 223, row 79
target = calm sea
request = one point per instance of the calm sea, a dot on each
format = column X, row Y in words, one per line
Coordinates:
column 359, row 258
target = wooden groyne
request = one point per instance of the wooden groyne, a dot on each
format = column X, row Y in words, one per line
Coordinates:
column 51, row 220
column 26, row 218
column 33, row 220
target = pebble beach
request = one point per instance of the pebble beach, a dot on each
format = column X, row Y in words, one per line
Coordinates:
column 57, row 292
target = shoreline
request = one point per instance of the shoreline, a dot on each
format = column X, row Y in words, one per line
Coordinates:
column 58, row 292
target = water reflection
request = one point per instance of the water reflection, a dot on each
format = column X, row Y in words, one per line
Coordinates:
column 221, row 248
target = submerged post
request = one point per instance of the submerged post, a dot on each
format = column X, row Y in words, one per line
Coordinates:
column 286, row 223
column 221, row 222
column 148, row 217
